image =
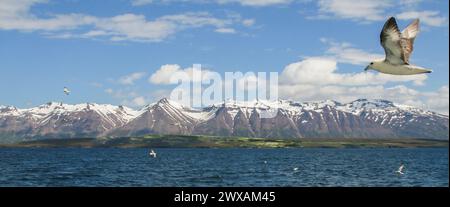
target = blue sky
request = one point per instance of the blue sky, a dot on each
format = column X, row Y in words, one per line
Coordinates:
column 107, row 51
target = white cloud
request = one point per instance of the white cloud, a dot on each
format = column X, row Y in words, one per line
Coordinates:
column 251, row 3
column 439, row 100
column 96, row 84
column 369, row 11
column 430, row 18
column 346, row 53
column 109, row 91
column 164, row 74
column 226, row 30
column 256, row 3
column 323, row 71
column 365, row 10
column 131, row 78
column 141, row 2
column 139, row 101
column 128, row 96
column 122, row 93
column 16, row 15
column 248, row 22
column 410, row 3
column 138, row 28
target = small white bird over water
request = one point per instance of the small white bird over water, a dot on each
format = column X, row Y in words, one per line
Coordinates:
column 398, row 47
column 400, row 169
column 152, row 153
column 66, row 91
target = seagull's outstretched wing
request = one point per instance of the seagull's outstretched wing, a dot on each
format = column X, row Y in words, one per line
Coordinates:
column 397, row 45
column 407, row 39
column 390, row 40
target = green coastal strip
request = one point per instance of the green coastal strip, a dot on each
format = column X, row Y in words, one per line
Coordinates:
column 177, row 141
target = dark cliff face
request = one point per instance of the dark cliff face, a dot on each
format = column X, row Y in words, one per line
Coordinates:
column 359, row 119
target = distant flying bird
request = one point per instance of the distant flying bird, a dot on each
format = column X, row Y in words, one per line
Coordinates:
column 400, row 169
column 398, row 47
column 152, row 153
column 66, row 91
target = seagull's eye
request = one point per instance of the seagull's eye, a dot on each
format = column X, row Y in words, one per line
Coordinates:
column 371, row 63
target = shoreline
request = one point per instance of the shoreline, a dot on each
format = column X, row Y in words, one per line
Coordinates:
column 177, row 141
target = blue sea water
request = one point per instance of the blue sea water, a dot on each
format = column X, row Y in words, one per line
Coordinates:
column 223, row 167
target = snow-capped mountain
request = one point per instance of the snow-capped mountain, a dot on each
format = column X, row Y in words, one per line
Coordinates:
column 278, row 119
column 406, row 121
column 163, row 117
column 57, row 120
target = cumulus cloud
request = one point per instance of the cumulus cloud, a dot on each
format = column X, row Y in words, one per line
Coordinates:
column 437, row 100
column 346, row 53
column 365, row 10
column 369, row 11
column 129, row 96
column 139, row 101
column 326, row 68
column 122, row 93
column 324, row 71
column 248, row 22
column 166, row 74
column 131, row 78
column 141, row 2
column 226, row 30
column 256, row 3
column 251, row 3
column 16, row 15
column 430, row 18
column 163, row 74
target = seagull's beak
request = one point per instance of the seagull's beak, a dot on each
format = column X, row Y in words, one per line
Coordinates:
column 367, row 68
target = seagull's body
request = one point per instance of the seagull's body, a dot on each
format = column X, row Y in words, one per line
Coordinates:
column 66, row 91
column 398, row 47
column 400, row 170
column 384, row 67
column 152, row 153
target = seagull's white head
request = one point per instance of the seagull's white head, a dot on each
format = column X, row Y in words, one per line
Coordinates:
column 375, row 65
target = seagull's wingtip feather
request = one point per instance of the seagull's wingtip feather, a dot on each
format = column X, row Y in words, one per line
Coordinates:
column 391, row 18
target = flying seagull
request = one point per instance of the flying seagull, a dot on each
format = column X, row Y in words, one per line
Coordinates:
column 66, row 91
column 398, row 47
column 152, row 153
column 400, row 169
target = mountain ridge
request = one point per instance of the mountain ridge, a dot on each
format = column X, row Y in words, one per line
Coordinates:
column 361, row 118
